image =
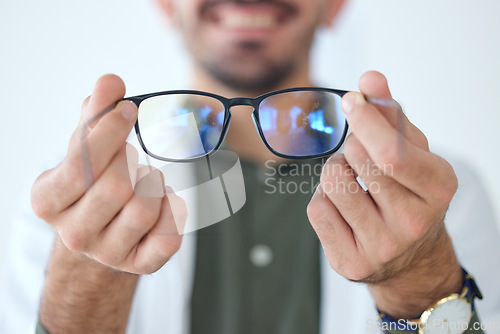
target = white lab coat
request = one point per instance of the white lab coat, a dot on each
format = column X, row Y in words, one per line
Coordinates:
column 161, row 303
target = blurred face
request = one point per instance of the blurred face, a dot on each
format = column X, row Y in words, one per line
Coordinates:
column 250, row 45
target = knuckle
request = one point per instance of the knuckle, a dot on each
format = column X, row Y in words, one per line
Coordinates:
column 336, row 261
column 354, row 151
column 334, row 160
column 109, row 258
column 449, row 190
column 390, row 155
column 73, row 239
column 315, row 210
column 444, row 197
column 152, row 266
column 120, row 186
column 141, row 218
column 105, row 195
column 334, row 169
column 387, row 251
column 116, row 190
column 166, row 250
column 453, row 184
column 423, row 141
column 41, row 205
column 148, row 210
column 322, row 222
column 150, row 182
column 354, row 269
column 356, row 275
column 450, row 193
column 40, row 208
column 179, row 209
column 446, row 184
column 144, row 269
column 416, row 225
column 136, row 229
column 72, row 172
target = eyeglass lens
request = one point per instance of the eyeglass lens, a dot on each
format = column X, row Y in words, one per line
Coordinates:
column 302, row 123
column 180, row 126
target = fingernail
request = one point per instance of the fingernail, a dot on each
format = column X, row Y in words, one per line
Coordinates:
column 348, row 102
column 129, row 110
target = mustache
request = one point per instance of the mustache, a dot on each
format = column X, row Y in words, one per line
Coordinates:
column 287, row 6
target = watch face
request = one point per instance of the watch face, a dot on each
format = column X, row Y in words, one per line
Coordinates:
column 452, row 316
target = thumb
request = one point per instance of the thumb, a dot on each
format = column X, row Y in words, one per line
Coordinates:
column 373, row 85
column 376, row 90
column 108, row 90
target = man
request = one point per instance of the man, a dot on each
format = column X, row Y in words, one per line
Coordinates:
column 107, row 236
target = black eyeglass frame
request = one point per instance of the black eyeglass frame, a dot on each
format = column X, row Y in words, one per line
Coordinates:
column 228, row 104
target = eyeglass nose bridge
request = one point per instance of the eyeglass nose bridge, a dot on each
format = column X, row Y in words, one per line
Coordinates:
column 241, row 101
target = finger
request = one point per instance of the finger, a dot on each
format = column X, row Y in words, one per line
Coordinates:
column 179, row 211
column 80, row 224
column 156, row 248
column 150, row 182
column 338, row 182
column 375, row 87
column 58, row 188
column 86, row 162
column 132, row 162
column 422, row 172
column 77, row 134
column 85, row 104
column 336, row 236
column 390, row 197
column 376, row 179
column 125, row 231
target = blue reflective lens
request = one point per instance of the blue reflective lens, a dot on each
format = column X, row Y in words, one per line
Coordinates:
column 180, row 126
column 302, row 123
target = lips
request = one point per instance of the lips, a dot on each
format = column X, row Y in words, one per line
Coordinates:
column 255, row 15
column 248, row 21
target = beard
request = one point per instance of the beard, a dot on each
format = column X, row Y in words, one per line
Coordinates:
column 247, row 70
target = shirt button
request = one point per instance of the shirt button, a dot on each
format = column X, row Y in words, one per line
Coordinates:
column 261, row 255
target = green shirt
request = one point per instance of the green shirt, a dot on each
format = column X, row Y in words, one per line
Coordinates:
column 258, row 271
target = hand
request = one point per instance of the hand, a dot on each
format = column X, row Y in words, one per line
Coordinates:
column 392, row 236
column 89, row 198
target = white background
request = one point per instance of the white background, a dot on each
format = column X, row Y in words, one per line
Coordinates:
column 442, row 58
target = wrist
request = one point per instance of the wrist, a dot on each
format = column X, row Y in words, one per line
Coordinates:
column 434, row 276
column 72, row 263
column 82, row 294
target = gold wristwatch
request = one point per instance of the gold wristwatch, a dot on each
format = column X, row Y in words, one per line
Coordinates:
column 448, row 315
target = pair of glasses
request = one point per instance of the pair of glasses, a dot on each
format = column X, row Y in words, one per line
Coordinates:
column 295, row 123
